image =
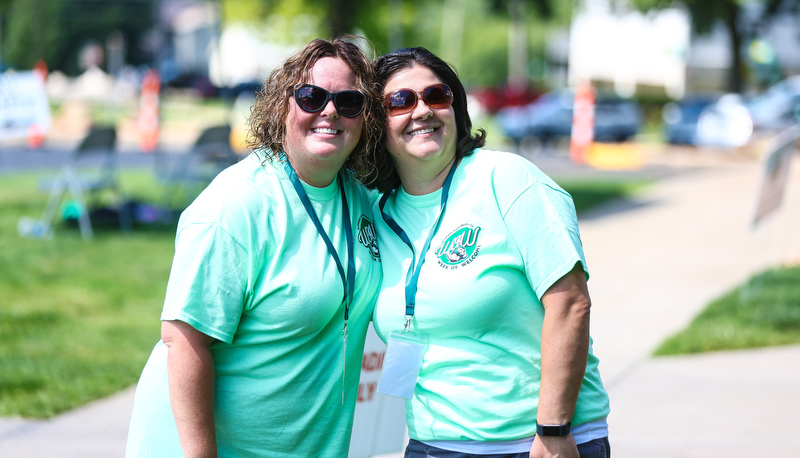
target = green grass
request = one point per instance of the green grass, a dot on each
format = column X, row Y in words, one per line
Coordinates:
column 79, row 319
column 763, row 312
column 590, row 193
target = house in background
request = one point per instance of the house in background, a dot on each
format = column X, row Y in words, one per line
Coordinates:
column 635, row 52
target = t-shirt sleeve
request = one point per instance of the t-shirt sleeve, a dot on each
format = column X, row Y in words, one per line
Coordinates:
column 544, row 226
column 208, row 281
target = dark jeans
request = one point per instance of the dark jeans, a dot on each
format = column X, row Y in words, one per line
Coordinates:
column 598, row 448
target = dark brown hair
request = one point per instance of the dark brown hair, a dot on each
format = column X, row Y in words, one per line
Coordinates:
column 386, row 66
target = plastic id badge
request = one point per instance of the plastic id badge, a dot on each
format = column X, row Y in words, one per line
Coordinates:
column 401, row 364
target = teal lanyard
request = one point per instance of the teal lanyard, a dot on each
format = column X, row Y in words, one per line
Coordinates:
column 412, row 276
column 348, row 281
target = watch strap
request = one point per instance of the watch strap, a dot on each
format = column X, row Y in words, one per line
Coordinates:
column 552, row 430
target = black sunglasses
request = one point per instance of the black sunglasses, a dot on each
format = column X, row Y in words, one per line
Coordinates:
column 312, row 99
column 403, row 101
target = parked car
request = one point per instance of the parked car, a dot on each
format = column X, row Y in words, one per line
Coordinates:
column 494, row 99
column 726, row 123
column 549, row 118
column 778, row 107
column 680, row 118
column 721, row 120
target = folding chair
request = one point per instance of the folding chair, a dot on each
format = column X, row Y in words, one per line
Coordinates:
column 195, row 169
column 90, row 169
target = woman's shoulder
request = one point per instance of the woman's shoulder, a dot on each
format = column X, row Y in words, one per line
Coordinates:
column 236, row 187
column 504, row 168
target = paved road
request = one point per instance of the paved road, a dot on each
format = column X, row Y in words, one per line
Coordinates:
column 655, row 262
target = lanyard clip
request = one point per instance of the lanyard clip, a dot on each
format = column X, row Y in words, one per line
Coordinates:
column 407, row 327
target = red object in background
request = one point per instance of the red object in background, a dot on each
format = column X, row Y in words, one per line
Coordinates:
column 35, row 132
column 35, row 136
column 582, row 123
column 40, row 69
column 495, row 99
column 148, row 111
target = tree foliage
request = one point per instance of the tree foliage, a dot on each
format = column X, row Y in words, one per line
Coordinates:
column 320, row 18
column 471, row 34
column 57, row 30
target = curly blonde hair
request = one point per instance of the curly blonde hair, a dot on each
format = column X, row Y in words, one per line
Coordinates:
column 267, row 122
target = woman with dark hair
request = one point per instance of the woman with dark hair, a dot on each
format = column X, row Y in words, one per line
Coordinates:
column 387, row 178
column 275, row 273
column 484, row 282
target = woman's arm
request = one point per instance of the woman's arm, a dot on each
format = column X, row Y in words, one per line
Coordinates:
column 191, row 387
column 565, row 350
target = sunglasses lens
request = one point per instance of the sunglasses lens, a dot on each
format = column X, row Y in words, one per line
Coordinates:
column 401, row 101
column 437, row 96
column 313, row 99
column 310, row 98
column 349, row 103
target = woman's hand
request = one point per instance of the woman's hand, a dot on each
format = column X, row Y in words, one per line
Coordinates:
column 561, row 446
column 191, row 387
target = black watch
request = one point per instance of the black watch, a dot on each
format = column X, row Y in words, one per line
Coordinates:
column 552, row 430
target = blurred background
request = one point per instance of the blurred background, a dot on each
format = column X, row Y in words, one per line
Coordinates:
column 672, row 105
column 711, row 73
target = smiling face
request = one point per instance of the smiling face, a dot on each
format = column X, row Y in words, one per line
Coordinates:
column 318, row 144
column 422, row 142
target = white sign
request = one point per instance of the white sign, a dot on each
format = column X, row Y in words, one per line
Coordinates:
column 380, row 420
column 23, row 104
column 773, row 180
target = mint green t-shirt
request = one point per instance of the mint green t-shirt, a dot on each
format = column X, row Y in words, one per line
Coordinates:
column 252, row 271
column 508, row 234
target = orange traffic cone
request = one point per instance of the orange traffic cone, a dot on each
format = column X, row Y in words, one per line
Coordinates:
column 35, row 136
column 148, row 112
column 582, row 123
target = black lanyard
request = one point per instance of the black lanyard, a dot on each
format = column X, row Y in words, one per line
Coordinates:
column 348, row 281
column 412, row 276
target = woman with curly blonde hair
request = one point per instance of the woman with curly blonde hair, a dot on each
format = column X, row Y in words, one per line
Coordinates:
column 275, row 272
column 268, row 118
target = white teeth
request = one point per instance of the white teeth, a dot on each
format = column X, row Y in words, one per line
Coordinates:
column 421, row 131
column 326, row 131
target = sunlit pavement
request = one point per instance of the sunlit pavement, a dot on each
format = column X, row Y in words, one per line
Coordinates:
column 655, row 261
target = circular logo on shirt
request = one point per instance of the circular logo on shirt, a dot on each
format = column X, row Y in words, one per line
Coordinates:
column 459, row 248
column 367, row 237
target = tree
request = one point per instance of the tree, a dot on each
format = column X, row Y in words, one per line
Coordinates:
column 705, row 14
column 546, row 11
column 57, row 30
column 471, row 34
column 331, row 17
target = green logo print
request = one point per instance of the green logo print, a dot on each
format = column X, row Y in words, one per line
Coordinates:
column 367, row 237
column 460, row 247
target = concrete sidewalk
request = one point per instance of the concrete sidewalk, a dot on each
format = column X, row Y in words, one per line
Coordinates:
column 655, row 262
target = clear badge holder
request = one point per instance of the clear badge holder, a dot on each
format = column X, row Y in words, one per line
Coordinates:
column 401, row 364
